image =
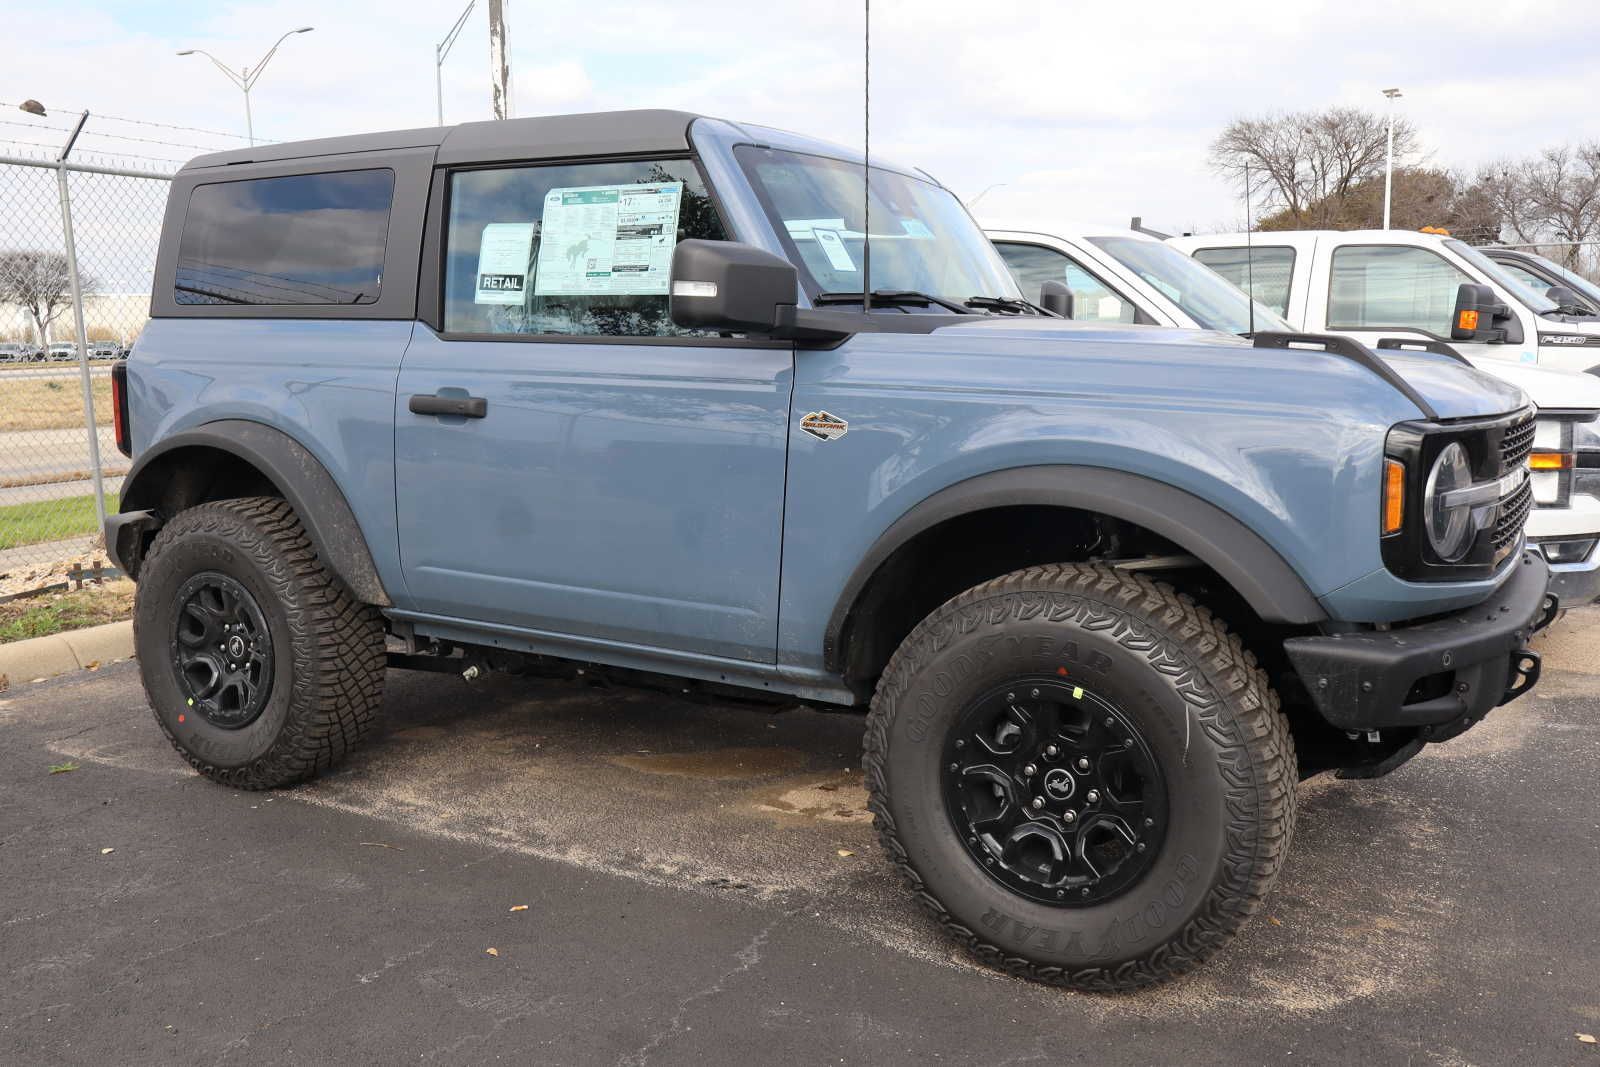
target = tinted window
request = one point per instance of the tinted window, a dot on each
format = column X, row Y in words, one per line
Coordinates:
column 303, row 239
column 580, row 249
column 1033, row 265
column 1264, row 273
column 1392, row 286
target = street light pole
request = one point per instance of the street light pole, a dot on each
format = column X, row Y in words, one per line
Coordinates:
column 1388, row 164
column 245, row 77
column 441, row 50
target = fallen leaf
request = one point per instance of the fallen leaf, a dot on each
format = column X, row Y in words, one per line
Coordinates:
column 519, row 907
column 1274, row 922
column 92, row 665
column 492, row 951
column 826, row 788
column 843, row 852
column 107, row 851
column 63, row 768
column 1587, row 1039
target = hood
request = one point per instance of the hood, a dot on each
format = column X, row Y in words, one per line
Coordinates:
column 1546, row 387
column 1452, row 390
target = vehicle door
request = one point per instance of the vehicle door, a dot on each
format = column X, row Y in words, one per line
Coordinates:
column 1093, row 298
column 1372, row 291
column 568, row 461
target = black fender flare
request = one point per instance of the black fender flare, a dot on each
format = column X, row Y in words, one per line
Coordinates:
column 305, row 483
column 1244, row 560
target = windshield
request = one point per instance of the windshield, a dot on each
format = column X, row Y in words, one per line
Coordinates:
column 1204, row 295
column 923, row 240
column 1534, row 301
column 1575, row 281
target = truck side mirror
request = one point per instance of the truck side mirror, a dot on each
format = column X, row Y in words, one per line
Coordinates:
column 1056, row 298
column 730, row 287
column 1565, row 299
column 1481, row 318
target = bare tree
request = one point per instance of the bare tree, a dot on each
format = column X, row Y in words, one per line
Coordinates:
column 37, row 282
column 1304, row 165
column 1423, row 196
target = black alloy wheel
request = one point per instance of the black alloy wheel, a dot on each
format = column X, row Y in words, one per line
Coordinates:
column 221, row 650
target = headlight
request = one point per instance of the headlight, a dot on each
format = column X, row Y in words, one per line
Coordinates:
column 1449, row 526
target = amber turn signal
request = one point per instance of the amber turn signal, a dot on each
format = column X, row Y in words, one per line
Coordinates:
column 1549, row 461
column 1468, row 319
column 1394, row 495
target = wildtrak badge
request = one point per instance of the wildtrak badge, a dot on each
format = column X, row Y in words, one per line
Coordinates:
column 823, row 426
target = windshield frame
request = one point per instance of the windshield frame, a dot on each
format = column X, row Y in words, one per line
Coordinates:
column 1265, row 319
column 980, row 243
column 1537, row 303
column 1572, row 279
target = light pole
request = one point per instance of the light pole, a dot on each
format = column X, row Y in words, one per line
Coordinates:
column 1388, row 164
column 441, row 50
column 245, row 77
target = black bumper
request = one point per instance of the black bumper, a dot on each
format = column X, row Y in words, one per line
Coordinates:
column 1469, row 662
column 125, row 539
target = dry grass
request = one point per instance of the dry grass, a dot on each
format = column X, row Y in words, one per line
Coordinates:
column 51, row 403
column 51, row 613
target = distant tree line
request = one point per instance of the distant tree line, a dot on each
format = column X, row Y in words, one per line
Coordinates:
column 1325, row 170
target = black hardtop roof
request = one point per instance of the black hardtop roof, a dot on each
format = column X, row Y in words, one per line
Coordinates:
column 547, row 137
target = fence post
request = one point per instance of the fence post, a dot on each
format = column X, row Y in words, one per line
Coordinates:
column 83, row 336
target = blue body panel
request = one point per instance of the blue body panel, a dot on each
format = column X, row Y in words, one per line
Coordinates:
column 657, row 505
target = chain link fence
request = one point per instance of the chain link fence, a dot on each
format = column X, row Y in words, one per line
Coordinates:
column 60, row 470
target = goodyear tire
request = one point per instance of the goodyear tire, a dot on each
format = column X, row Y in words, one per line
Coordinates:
column 260, row 666
column 1082, row 775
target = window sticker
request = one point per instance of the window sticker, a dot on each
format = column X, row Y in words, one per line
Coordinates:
column 503, row 256
column 608, row 239
column 832, row 246
column 916, row 228
column 801, row 229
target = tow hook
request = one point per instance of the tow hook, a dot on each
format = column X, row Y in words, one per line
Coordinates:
column 1525, row 667
column 472, row 672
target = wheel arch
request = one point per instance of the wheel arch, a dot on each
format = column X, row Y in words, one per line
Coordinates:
column 233, row 458
column 1240, row 557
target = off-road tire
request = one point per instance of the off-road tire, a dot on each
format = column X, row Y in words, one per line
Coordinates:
column 1211, row 718
column 328, row 648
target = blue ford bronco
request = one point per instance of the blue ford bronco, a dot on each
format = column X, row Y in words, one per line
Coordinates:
column 614, row 393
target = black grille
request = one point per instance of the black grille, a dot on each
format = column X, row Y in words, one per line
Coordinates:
column 1513, row 513
column 1516, row 444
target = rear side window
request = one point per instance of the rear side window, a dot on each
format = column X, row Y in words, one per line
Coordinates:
column 1033, row 265
column 1392, row 286
column 1266, row 273
column 297, row 240
column 582, row 249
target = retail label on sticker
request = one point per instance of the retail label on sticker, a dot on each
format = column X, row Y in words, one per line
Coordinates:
column 608, row 240
column 832, row 246
column 503, row 256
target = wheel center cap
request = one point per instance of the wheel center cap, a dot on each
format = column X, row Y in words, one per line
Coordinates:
column 1059, row 784
column 236, row 647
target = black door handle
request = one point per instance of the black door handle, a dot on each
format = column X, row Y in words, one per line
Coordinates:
column 471, row 407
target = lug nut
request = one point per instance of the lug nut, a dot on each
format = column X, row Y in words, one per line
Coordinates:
column 1029, row 771
column 1139, row 846
column 1035, row 694
column 1149, row 822
column 1038, row 802
column 1010, row 697
column 1069, row 815
column 1052, row 751
column 1093, row 796
column 955, row 767
column 1083, row 764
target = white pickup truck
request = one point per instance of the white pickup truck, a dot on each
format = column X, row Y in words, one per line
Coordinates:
column 1124, row 276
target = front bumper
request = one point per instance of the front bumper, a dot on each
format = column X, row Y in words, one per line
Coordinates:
column 1576, row 584
column 1439, row 676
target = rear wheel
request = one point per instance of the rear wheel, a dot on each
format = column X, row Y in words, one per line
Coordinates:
column 1082, row 774
column 260, row 666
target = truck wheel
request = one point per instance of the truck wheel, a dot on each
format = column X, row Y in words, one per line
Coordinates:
column 260, row 666
column 1082, row 774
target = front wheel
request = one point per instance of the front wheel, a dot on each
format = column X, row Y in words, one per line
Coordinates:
column 1082, row 774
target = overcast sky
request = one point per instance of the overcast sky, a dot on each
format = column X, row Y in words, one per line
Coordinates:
column 1088, row 111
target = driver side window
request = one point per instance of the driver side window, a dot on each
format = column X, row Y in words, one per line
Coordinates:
column 1391, row 286
column 1033, row 265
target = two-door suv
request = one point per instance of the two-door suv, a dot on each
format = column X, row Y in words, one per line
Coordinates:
column 615, row 391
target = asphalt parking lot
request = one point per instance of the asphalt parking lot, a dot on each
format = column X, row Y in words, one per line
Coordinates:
column 702, row 885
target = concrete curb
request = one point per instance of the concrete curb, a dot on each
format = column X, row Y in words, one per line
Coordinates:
column 39, row 658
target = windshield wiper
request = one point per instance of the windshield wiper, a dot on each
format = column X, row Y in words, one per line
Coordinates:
column 1005, row 303
column 892, row 298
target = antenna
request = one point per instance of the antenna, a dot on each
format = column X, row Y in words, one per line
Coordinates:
column 1249, row 255
column 866, row 163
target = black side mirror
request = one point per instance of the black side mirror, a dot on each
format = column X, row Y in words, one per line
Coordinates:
column 731, row 287
column 1565, row 299
column 1056, row 298
column 1481, row 318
